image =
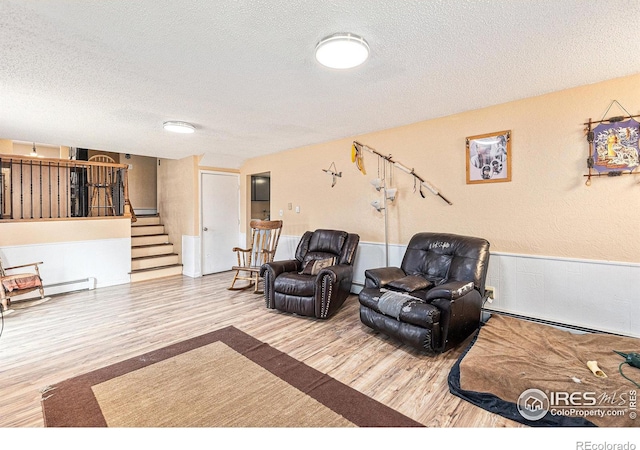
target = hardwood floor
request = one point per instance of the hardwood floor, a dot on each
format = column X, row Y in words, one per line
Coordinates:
column 74, row 333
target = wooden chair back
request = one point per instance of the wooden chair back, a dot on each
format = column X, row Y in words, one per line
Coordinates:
column 102, row 176
column 265, row 235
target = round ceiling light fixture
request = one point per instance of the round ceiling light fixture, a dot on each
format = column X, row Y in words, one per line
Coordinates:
column 179, row 127
column 342, row 51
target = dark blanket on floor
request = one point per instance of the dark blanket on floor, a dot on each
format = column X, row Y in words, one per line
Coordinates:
column 510, row 356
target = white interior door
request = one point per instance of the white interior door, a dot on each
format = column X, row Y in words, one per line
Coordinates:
column 220, row 194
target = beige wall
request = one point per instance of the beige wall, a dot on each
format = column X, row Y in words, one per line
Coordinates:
column 70, row 230
column 143, row 192
column 179, row 206
column 6, row 146
column 178, row 198
column 545, row 210
column 44, row 151
column 113, row 155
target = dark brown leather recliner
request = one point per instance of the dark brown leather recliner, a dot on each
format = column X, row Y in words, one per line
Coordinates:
column 318, row 281
column 433, row 301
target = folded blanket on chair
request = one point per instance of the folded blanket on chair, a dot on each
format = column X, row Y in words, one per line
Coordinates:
column 390, row 303
column 18, row 282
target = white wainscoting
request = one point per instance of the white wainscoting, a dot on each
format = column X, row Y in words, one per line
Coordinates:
column 371, row 255
column 69, row 266
column 368, row 256
column 599, row 295
column 192, row 256
column 287, row 247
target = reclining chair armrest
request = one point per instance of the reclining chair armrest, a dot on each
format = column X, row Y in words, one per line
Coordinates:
column 459, row 316
column 270, row 271
column 337, row 273
column 377, row 278
column 451, row 290
column 333, row 285
column 275, row 268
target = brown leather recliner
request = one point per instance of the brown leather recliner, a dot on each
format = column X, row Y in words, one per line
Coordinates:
column 318, row 281
column 433, row 301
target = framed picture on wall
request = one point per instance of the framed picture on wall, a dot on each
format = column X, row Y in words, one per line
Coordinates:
column 489, row 157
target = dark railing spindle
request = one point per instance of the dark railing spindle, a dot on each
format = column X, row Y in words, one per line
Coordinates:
column 67, row 210
column 11, row 188
column 49, row 183
column 58, row 185
column 21, row 192
column 100, row 178
column 40, row 192
column 31, row 189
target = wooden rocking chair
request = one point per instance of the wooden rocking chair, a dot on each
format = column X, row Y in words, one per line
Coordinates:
column 20, row 283
column 264, row 241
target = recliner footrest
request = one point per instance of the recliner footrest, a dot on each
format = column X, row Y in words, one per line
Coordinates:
column 413, row 335
column 414, row 310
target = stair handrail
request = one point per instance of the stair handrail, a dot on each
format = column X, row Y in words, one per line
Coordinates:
column 127, row 201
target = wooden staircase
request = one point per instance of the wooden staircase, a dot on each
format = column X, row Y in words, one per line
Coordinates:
column 152, row 254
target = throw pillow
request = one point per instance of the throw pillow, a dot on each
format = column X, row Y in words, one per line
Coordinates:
column 315, row 266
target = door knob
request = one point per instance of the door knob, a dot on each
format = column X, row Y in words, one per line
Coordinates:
column 205, row 229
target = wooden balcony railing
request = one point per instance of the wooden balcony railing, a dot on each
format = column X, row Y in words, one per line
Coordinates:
column 47, row 188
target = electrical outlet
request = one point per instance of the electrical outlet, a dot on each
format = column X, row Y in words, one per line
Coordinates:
column 491, row 292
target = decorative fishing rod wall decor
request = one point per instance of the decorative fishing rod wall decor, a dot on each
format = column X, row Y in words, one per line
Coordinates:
column 418, row 182
column 384, row 183
column 613, row 145
column 334, row 173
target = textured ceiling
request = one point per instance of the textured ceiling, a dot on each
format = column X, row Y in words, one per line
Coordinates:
column 106, row 75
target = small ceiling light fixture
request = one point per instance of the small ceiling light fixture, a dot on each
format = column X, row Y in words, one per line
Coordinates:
column 179, row 127
column 342, row 51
